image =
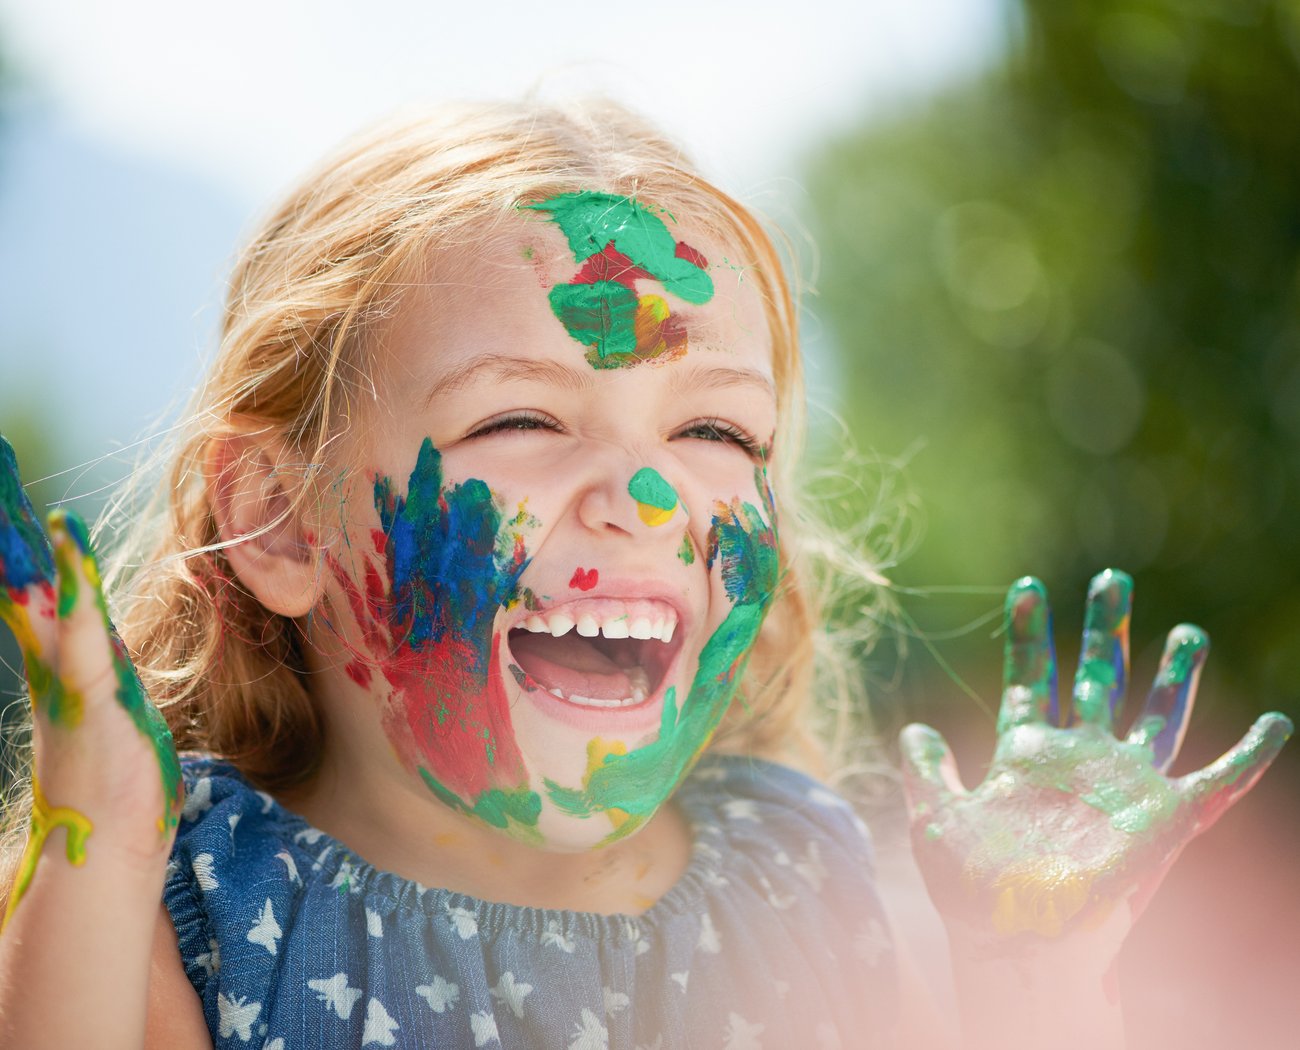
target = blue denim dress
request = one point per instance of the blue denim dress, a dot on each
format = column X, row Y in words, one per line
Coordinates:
column 772, row 938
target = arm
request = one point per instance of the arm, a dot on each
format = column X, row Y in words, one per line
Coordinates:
column 77, row 940
column 1040, row 871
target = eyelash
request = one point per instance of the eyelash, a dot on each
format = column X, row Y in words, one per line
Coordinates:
column 711, row 429
column 720, row 430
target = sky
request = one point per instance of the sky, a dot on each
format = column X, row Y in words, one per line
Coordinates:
column 145, row 137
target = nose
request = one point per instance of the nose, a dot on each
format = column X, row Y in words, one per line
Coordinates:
column 632, row 499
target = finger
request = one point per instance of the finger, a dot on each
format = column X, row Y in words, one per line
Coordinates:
column 1162, row 723
column 1029, row 662
column 26, row 567
column 1103, row 656
column 930, row 777
column 93, row 658
column 1214, row 789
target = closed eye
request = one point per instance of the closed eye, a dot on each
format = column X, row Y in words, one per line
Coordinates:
column 514, row 421
column 722, row 431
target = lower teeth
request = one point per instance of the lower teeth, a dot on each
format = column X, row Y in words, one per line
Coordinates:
column 590, row 701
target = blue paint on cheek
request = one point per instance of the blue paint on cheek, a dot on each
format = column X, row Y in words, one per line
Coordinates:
column 446, row 570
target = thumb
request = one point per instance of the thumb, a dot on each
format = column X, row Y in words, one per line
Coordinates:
column 930, row 776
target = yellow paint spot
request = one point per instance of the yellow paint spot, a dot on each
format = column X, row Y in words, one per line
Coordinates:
column 446, row 838
column 653, row 515
column 1040, row 896
column 597, row 750
column 651, row 313
column 77, row 828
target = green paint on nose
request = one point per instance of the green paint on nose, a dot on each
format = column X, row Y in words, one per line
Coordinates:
column 648, row 486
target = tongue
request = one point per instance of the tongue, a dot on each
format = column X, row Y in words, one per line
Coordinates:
column 574, row 665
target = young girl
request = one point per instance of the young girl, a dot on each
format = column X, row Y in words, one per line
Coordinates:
column 472, row 607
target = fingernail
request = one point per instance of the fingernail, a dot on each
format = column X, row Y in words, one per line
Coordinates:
column 1026, row 609
column 1185, row 651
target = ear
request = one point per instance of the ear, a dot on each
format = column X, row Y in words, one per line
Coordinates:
column 253, row 486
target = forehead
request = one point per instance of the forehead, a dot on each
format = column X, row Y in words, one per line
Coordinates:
column 511, row 290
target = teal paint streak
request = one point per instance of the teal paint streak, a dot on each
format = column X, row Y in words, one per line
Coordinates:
column 590, row 221
column 639, row 782
column 649, row 487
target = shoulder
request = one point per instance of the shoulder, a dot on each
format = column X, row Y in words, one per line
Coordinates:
column 759, row 804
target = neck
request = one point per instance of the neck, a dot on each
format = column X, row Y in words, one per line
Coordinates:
column 387, row 819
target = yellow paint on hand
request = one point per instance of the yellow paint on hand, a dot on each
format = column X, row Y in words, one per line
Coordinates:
column 77, row 828
column 1040, row 896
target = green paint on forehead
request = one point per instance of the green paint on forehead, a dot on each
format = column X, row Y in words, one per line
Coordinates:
column 592, row 221
column 648, row 486
column 619, row 241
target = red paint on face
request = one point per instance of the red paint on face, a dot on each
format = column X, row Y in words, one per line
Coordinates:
column 584, row 579
column 611, row 265
column 359, row 673
column 691, row 255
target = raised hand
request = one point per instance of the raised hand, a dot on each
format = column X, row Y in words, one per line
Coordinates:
column 105, row 770
column 1072, row 821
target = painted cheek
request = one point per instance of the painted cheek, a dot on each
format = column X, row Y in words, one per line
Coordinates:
column 451, row 562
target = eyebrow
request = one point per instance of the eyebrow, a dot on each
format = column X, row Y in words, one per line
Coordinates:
column 503, row 368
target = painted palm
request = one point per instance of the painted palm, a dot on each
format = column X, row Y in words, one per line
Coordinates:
column 1071, row 821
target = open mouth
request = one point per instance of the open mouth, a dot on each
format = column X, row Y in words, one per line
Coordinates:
column 597, row 653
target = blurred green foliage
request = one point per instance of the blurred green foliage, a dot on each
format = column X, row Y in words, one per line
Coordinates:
column 1074, row 285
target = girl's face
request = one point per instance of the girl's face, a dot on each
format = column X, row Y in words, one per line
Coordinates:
column 560, row 546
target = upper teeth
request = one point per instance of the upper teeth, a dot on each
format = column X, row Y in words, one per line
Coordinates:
column 611, row 625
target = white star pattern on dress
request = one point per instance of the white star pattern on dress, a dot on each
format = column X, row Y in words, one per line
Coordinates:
column 266, row 931
column 615, row 1001
column 589, row 1033
column 440, row 995
column 871, row 942
column 464, row 920
column 741, row 809
column 379, row 1025
column 741, row 1035
column 681, row 978
column 374, row 923
column 198, row 800
column 273, row 1044
column 511, row 993
column 811, row 866
column 290, row 866
column 336, row 995
column 709, row 941
column 236, row 1015
column 203, row 873
column 211, row 959
column 553, row 934
column 484, row 1027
